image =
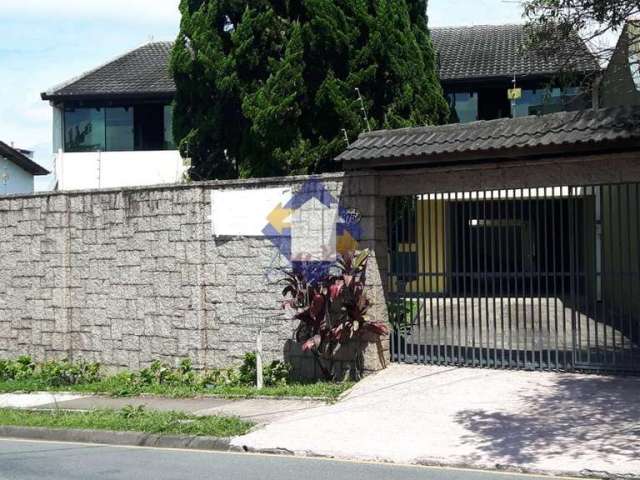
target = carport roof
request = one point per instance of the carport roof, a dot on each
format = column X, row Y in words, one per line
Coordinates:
column 554, row 134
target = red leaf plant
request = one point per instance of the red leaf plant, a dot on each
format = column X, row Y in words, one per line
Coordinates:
column 333, row 310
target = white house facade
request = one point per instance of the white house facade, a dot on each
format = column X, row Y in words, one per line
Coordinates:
column 17, row 171
column 112, row 126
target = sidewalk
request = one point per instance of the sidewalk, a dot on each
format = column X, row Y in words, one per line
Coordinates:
column 258, row 410
column 542, row 422
column 532, row 421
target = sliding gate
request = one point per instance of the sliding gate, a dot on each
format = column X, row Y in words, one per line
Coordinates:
column 533, row 278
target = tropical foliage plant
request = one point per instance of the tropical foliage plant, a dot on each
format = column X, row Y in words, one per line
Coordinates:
column 332, row 309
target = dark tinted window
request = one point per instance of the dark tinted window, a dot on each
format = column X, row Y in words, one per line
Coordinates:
column 122, row 128
column 84, row 130
column 119, row 129
column 464, row 106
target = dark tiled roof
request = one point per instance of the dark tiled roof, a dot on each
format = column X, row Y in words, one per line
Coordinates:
column 465, row 52
column 526, row 136
column 143, row 71
column 487, row 51
column 21, row 160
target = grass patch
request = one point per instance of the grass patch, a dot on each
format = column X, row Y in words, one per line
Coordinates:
column 113, row 386
column 133, row 419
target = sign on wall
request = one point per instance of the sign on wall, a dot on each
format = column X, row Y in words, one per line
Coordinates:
column 309, row 228
column 245, row 212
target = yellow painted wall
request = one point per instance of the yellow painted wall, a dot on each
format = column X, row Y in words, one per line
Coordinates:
column 431, row 250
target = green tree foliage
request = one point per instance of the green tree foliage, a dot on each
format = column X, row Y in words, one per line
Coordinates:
column 266, row 87
column 554, row 24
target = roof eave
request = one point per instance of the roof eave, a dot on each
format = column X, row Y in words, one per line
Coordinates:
column 39, row 171
column 54, row 97
column 22, row 160
column 490, row 155
column 509, row 78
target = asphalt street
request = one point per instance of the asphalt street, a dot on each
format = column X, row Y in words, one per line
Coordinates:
column 25, row 460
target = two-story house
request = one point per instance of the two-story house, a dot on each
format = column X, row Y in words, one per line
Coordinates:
column 112, row 125
column 479, row 64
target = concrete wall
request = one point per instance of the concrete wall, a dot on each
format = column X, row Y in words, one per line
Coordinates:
column 128, row 276
column 17, row 181
column 124, row 277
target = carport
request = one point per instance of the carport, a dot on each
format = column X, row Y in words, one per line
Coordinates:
column 511, row 243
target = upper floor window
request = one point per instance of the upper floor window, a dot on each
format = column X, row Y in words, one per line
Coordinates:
column 169, row 144
column 84, row 130
column 549, row 100
column 123, row 128
column 119, row 129
column 464, row 106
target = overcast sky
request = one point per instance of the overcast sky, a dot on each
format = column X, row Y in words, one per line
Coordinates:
column 45, row 42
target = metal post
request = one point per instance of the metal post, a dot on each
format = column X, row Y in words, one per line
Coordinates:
column 259, row 378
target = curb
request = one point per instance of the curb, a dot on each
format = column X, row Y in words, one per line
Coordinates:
column 199, row 396
column 223, row 444
column 435, row 463
column 109, row 437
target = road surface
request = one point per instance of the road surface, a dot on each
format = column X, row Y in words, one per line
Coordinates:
column 26, row 460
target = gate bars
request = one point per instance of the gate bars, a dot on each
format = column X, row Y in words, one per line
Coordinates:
column 541, row 278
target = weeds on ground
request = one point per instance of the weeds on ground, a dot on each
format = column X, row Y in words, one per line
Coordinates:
column 53, row 373
column 160, row 378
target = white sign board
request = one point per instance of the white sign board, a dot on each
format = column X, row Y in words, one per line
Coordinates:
column 245, row 212
column 313, row 232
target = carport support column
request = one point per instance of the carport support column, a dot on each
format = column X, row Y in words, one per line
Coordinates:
column 360, row 191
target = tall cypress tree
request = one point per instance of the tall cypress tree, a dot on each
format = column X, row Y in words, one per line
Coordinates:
column 267, row 88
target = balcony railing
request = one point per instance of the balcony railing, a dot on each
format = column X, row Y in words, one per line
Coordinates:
column 90, row 170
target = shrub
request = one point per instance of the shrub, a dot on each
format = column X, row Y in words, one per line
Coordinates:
column 274, row 373
column 52, row 373
column 332, row 309
column 64, row 372
column 277, row 373
column 158, row 374
column 219, row 377
column 19, row 369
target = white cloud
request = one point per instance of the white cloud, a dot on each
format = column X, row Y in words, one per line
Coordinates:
column 139, row 11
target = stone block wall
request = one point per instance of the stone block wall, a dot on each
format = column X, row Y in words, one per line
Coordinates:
column 125, row 277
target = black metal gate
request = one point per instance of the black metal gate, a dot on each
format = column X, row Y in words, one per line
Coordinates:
column 533, row 278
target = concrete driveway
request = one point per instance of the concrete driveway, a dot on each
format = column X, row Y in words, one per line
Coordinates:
column 545, row 422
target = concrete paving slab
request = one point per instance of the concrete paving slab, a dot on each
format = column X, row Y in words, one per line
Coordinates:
column 263, row 410
column 189, row 405
column 536, row 421
column 258, row 410
column 32, row 400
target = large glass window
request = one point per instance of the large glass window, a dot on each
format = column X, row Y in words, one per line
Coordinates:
column 119, row 129
column 123, row 128
column 84, row 129
column 548, row 100
column 168, row 128
column 464, row 105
